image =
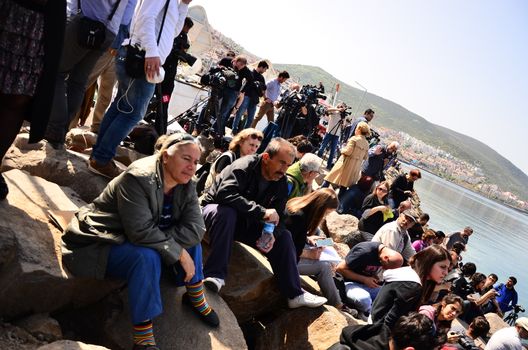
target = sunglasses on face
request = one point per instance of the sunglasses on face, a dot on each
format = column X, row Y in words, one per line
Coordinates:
column 256, row 137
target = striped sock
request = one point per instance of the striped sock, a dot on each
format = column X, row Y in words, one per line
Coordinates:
column 197, row 298
column 143, row 334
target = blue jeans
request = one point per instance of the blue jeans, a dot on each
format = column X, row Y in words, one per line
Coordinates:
column 141, row 268
column 127, row 109
column 332, row 140
column 251, row 109
column 361, row 295
column 229, row 97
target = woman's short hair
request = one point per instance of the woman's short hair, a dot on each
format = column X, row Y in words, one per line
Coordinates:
column 364, row 128
column 384, row 184
column 310, row 162
column 235, row 143
column 428, row 234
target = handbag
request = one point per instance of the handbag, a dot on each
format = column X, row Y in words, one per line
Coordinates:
column 91, row 33
column 135, row 56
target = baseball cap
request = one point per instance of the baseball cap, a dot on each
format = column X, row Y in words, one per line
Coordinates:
column 411, row 214
column 522, row 322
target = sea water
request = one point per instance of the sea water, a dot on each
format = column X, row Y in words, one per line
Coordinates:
column 499, row 243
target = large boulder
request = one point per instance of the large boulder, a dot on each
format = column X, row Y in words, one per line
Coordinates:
column 178, row 327
column 251, row 288
column 32, row 278
column 70, row 345
column 65, row 168
column 304, row 328
column 339, row 226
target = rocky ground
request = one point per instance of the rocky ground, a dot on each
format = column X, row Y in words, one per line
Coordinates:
column 42, row 306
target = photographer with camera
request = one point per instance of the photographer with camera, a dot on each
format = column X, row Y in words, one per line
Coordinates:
column 232, row 94
column 336, row 116
column 138, row 69
column 178, row 53
column 252, row 93
column 267, row 107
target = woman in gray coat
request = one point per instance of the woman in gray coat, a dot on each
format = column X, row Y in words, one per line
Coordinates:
column 147, row 215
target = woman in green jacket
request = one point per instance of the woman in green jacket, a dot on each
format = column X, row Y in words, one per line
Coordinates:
column 147, row 215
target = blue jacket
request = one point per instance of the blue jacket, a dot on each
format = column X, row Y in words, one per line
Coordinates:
column 507, row 298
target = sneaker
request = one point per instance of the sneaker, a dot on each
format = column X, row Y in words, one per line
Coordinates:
column 4, row 190
column 214, row 283
column 109, row 170
column 306, row 299
column 211, row 319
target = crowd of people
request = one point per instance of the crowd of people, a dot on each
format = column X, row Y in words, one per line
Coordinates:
column 403, row 277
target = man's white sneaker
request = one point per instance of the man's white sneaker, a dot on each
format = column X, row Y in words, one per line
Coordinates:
column 306, row 299
column 214, row 283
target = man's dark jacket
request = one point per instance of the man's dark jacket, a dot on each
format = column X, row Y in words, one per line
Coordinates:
column 237, row 186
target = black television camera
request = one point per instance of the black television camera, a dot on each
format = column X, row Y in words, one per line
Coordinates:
column 311, row 93
column 220, row 78
column 346, row 112
column 374, row 138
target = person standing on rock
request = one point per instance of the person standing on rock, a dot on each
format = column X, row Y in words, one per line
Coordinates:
column 31, row 35
column 248, row 193
column 147, row 216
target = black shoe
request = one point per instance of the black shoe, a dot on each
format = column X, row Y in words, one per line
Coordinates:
column 4, row 190
column 211, row 319
column 145, row 347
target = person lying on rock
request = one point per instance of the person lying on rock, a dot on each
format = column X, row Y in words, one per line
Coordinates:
column 247, row 194
column 146, row 216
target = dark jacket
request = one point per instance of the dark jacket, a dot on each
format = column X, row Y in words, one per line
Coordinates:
column 129, row 209
column 54, row 24
column 373, row 222
column 397, row 297
column 398, row 187
column 237, row 186
column 363, row 337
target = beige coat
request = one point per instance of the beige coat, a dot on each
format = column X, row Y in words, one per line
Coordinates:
column 347, row 170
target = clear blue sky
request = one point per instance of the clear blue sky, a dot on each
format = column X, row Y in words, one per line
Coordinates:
column 459, row 64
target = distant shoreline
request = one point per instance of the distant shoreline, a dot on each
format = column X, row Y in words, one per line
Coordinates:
column 522, row 211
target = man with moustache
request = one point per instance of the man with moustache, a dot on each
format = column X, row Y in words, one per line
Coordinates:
column 252, row 191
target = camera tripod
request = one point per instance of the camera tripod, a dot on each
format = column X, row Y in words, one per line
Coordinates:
column 327, row 151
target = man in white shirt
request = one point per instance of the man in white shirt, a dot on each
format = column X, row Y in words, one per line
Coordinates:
column 154, row 26
column 395, row 236
column 333, row 131
column 509, row 338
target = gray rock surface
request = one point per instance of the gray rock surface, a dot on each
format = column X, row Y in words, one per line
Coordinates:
column 41, row 326
column 339, row 226
column 70, row 345
column 304, row 328
column 32, row 278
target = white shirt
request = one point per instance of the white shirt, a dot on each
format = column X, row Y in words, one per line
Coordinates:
column 146, row 25
column 333, row 119
column 505, row 339
column 393, row 236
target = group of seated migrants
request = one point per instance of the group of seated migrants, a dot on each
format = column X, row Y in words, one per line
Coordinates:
column 402, row 277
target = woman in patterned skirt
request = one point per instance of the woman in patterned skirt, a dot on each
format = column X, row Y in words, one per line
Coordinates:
column 31, row 33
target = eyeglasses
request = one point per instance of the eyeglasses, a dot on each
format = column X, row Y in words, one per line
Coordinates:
column 382, row 189
column 256, row 137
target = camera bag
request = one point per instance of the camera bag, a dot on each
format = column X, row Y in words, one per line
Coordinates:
column 91, row 33
column 135, row 56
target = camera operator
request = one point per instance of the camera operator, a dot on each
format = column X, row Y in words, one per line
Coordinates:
column 336, row 117
column 267, row 107
column 179, row 52
column 253, row 92
column 460, row 338
column 232, row 94
column 351, row 129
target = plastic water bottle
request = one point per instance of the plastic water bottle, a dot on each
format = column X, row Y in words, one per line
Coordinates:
column 266, row 236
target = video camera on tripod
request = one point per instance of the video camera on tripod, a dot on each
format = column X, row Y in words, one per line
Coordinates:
column 220, row 77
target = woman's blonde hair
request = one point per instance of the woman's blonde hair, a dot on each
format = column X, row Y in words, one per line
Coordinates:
column 314, row 206
column 364, row 128
column 235, row 143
